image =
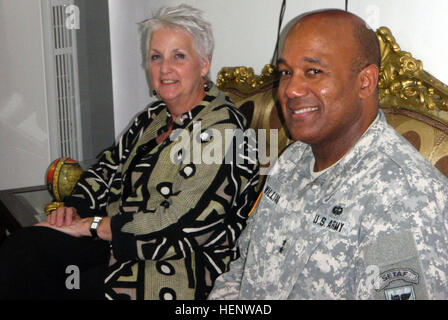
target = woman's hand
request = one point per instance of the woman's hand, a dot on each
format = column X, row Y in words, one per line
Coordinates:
column 67, row 220
column 63, row 216
column 79, row 227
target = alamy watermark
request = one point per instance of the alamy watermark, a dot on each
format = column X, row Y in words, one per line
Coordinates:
column 372, row 14
column 373, row 280
column 73, row 280
column 229, row 146
column 72, row 20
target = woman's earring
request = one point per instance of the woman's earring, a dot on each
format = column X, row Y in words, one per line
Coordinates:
column 206, row 86
column 154, row 92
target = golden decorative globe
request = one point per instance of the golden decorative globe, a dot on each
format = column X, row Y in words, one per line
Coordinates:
column 61, row 177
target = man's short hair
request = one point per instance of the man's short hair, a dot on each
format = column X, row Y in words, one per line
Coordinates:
column 368, row 47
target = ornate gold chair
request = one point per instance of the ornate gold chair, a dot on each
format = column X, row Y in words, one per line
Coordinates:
column 415, row 103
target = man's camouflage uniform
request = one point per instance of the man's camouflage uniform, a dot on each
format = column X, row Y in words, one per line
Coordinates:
column 373, row 226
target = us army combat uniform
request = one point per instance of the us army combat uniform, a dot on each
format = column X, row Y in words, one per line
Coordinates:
column 373, row 226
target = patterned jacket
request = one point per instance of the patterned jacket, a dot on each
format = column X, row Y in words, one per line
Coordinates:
column 174, row 218
column 373, row 226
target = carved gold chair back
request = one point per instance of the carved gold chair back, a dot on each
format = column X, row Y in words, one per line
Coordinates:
column 415, row 102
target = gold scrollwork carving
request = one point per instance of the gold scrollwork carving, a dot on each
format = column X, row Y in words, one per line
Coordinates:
column 404, row 84
column 243, row 79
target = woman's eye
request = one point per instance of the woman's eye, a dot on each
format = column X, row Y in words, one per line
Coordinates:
column 180, row 56
column 154, row 57
column 284, row 72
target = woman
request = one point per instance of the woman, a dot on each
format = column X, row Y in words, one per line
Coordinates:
column 171, row 222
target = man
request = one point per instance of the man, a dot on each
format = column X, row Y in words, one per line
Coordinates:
column 350, row 210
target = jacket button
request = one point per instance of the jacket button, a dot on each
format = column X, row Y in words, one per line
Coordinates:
column 165, row 204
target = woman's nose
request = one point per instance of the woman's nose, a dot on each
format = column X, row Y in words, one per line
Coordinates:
column 165, row 66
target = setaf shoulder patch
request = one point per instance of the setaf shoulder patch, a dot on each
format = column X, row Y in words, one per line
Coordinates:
column 405, row 274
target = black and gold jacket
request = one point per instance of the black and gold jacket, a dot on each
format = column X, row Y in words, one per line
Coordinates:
column 175, row 218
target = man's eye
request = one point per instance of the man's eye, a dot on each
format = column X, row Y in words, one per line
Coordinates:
column 314, row 71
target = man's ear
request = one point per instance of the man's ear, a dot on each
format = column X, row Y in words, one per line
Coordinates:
column 368, row 81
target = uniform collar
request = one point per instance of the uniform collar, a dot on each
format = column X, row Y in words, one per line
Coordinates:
column 365, row 144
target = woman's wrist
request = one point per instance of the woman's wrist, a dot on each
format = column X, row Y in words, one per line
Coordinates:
column 86, row 223
column 104, row 231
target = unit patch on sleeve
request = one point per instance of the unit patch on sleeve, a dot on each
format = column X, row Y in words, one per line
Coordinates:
column 400, row 275
column 400, row 293
column 406, row 274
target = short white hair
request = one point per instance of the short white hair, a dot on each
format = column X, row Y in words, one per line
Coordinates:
column 187, row 18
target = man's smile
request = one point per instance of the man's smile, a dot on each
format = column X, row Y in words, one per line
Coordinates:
column 302, row 112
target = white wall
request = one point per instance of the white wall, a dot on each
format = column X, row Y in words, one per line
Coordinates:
column 130, row 89
column 24, row 146
column 419, row 27
column 245, row 34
